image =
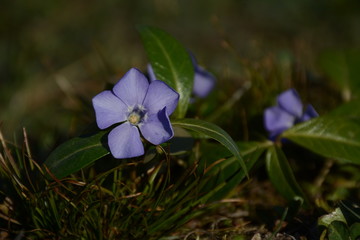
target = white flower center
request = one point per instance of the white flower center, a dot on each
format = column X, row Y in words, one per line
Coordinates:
column 134, row 118
column 137, row 115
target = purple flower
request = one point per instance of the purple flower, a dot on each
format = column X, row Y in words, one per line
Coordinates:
column 287, row 112
column 204, row 81
column 140, row 107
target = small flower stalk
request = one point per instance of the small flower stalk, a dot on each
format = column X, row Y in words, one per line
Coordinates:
column 140, row 108
column 288, row 112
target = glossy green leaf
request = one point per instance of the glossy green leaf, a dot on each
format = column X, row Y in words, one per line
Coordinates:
column 76, row 153
column 214, row 132
column 333, row 137
column 171, row 63
column 338, row 231
column 282, row 176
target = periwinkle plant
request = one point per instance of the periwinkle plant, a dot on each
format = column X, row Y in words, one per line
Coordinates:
column 204, row 81
column 139, row 107
column 142, row 198
column 288, row 112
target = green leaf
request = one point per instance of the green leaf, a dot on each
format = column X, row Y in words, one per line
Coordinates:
column 338, row 231
column 349, row 109
column 227, row 171
column 282, row 176
column 171, row 63
column 333, row 137
column 353, row 59
column 334, row 65
column 342, row 67
column 214, row 132
column 355, row 231
column 327, row 219
column 77, row 153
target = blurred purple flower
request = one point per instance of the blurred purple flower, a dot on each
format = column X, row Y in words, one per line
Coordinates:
column 204, row 81
column 288, row 112
column 140, row 107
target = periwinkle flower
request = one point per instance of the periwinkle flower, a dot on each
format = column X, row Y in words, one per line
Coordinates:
column 288, row 112
column 204, row 81
column 140, row 107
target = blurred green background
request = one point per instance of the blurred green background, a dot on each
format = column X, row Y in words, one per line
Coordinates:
column 56, row 55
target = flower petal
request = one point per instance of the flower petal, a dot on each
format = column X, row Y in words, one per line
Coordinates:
column 151, row 73
column 160, row 95
column 132, row 87
column 273, row 135
column 124, row 141
column 276, row 119
column 109, row 109
column 309, row 113
column 193, row 59
column 204, row 82
column 290, row 101
column 157, row 129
